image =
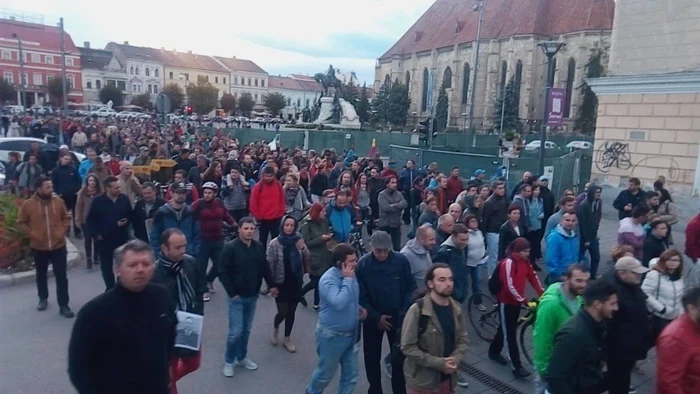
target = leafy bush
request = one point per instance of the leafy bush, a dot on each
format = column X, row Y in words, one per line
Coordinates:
column 14, row 244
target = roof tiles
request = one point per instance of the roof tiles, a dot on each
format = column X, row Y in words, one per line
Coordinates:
column 47, row 37
column 94, row 59
column 236, row 64
column 191, row 61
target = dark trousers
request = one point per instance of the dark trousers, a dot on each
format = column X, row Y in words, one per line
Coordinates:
column 238, row 214
column 70, row 201
column 106, row 253
column 372, row 345
column 90, row 246
column 268, row 228
column 594, row 250
column 312, row 285
column 620, row 373
column 209, row 250
column 509, row 315
column 395, row 233
column 286, row 311
column 535, row 238
column 58, row 259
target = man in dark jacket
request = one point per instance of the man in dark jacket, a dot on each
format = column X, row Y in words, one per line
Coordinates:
column 408, row 175
column 194, row 176
column 179, row 274
column 629, row 198
column 589, row 214
column 376, row 185
column 453, row 252
column 628, row 338
column 548, row 198
column 145, row 209
column 184, row 162
column 576, row 366
column 67, row 183
column 242, row 267
column 386, row 291
column 494, row 214
column 176, row 214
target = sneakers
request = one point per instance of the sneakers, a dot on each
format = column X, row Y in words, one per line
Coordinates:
column 316, row 308
column 461, row 382
column 521, row 373
column 228, row 370
column 498, row 358
column 481, row 307
column 303, row 302
column 387, row 365
column 632, row 390
column 42, row 305
column 247, row 364
column 66, row 312
column 206, row 297
column 211, row 287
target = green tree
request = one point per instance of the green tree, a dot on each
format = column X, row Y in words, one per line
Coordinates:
column 228, row 102
column 203, row 97
column 143, row 100
column 380, row 104
column 55, row 89
column 398, row 104
column 441, row 110
column 350, row 93
column 111, row 92
column 362, row 107
column 176, row 94
column 274, row 102
column 507, row 106
column 246, row 104
column 7, row 91
column 588, row 110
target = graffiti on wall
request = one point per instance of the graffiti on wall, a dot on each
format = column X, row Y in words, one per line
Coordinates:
column 613, row 154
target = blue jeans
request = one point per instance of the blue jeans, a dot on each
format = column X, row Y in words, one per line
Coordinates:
column 240, row 319
column 491, row 251
column 209, row 250
column 335, row 348
column 475, row 274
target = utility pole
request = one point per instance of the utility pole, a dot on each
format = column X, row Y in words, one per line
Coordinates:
column 550, row 49
column 480, row 5
column 63, row 80
column 22, row 87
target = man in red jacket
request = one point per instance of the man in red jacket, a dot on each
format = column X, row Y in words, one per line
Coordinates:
column 454, row 186
column 692, row 239
column 678, row 350
column 514, row 271
column 267, row 205
column 210, row 213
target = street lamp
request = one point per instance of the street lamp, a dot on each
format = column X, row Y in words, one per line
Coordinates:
column 23, row 95
column 477, row 7
column 550, row 48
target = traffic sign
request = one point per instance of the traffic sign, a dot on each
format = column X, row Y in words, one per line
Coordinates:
column 163, row 103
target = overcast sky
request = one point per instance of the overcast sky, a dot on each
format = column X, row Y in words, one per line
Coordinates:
column 281, row 36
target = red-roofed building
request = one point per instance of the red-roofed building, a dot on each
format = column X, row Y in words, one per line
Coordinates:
column 442, row 44
column 42, row 60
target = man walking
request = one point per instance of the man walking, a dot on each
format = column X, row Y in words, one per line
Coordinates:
column 122, row 340
column 434, row 337
column 242, row 267
column 44, row 219
column 562, row 248
column 267, row 205
column 417, row 251
column 494, row 214
column 337, row 331
column 589, row 214
column 391, row 203
column 179, row 274
column 109, row 215
column 628, row 199
column 176, row 214
column 557, row 305
column 67, row 183
column 386, row 290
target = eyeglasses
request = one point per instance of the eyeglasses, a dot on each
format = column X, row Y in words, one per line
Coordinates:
column 674, row 259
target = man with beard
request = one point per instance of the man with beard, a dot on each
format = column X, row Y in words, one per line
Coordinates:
column 557, row 305
column 176, row 214
column 433, row 351
column 267, row 205
column 376, row 185
column 44, row 219
column 195, row 174
column 391, row 203
column 548, row 198
column 145, row 209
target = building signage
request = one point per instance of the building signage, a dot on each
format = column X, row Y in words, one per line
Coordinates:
column 555, row 106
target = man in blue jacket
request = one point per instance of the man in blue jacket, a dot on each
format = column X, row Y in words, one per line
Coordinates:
column 176, row 214
column 67, row 183
column 386, row 292
column 341, row 214
column 563, row 245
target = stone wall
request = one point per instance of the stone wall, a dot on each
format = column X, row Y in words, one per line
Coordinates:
column 655, row 36
column 645, row 136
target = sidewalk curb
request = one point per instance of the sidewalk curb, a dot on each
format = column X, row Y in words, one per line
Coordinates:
column 75, row 258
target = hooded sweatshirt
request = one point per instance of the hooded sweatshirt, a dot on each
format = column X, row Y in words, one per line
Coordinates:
column 562, row 250
column 340, row 220
column 419, row 259
column 589, row 213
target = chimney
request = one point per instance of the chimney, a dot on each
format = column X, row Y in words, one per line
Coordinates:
column 126, row 42
column 86, row 44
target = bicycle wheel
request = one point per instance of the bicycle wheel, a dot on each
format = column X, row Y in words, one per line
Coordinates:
column 525, row 341
column 485, row 323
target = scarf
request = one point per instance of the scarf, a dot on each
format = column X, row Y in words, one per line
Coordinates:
column 289, row 246
column 290, row 195
column 92, row 190
column 185, row 291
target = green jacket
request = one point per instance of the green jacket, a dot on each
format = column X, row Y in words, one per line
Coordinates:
column 552, row 312
column 422, row 367
column 312, row 231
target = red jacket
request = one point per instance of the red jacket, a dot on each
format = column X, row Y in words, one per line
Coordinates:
column 267, row 201
column 514, row 272
column 113, row 166
column 211, row 215
column 678, row 358
column 692, row 238
column 454, row 187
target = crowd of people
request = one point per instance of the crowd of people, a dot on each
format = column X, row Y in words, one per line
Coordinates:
column 277, row 215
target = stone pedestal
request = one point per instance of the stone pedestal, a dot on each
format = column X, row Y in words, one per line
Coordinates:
column 348, row 117
column 326, row 111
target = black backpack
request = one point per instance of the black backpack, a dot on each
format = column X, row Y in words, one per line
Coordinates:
column 422, row 319
column 495, row 284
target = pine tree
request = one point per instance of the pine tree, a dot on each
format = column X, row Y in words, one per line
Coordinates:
column 507, row 106
column 363, row 105
column 398, row 104
column 380, row 104
column 588, row 110
column 441, row 110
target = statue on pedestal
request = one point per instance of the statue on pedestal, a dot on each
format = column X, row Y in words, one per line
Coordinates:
column 337, row 111
column 328, row 80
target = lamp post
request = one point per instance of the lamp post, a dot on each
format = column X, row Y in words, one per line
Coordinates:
column 22, row 90
column 550, row 48
column 477, row 7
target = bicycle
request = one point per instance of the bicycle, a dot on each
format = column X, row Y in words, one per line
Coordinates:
column 486, row 323
column 356, row 241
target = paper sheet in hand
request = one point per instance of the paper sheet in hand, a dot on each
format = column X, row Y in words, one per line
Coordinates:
column 189, row 330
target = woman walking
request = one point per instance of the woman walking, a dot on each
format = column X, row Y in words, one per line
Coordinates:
column 664, row 289
column 295, row 199
column 316, row 234
column 288, row 259
column 90, row 189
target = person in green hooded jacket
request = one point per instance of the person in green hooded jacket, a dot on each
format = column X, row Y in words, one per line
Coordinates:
column 557, row 304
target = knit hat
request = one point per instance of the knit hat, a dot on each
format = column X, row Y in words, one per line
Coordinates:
column 518, row 245
column 380, row 240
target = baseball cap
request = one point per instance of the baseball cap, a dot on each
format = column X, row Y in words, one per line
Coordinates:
column 178, row 187
column 544, row 178
column 144, row 149
column 62, row 147
column 630, row 264
column 381, row 240
column 210, row 185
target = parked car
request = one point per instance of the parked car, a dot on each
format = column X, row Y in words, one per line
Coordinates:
column 42, row 110
column 15, row 109
column 103, row 112
column 534, row 145
column 22, row 144
column 126, row 115
column 579, row 145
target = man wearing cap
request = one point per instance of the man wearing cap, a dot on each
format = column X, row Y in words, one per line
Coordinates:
column 210, row 213
column 184, row 162
column 143, row 160
column 192, row 193
column 176, row 214
column 478, row 178
column 386, row 291
column 628, row 338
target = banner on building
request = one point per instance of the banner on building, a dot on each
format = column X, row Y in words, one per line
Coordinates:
column 555, row 106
